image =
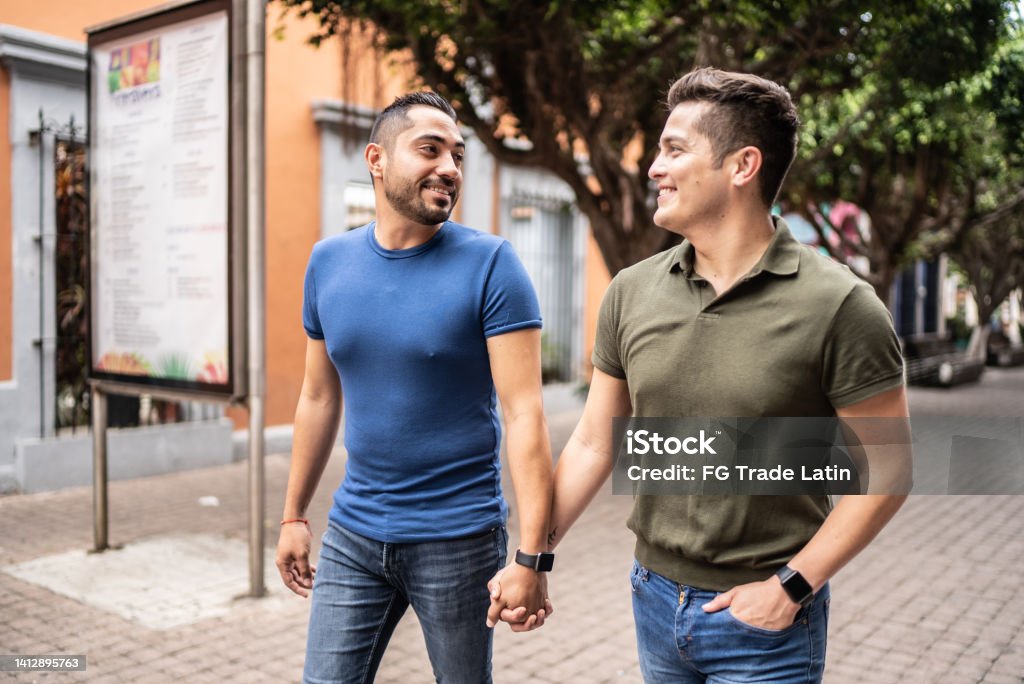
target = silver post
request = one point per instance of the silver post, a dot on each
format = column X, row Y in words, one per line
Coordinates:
column 98, row 408
column 255, row 39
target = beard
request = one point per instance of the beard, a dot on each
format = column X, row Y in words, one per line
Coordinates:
column 405, row 197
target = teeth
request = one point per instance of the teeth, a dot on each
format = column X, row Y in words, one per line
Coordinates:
column 665, row 191
column 443, row 191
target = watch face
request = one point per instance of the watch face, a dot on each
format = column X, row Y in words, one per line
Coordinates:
column 798, row 589
column 546, row 562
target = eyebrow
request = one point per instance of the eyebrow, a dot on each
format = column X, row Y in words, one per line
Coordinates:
column 665, row 140
column 434, row 137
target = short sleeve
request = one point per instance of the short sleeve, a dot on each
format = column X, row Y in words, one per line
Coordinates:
column 606, row 356
column 862, row 355
column 310, row 314
column 509, row 300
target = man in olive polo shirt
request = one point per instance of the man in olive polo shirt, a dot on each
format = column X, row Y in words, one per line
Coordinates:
column 739, row 320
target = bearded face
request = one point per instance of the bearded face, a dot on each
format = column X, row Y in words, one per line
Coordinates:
column 428, row 201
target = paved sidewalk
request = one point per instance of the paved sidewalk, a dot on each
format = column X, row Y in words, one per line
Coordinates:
column 939, row 597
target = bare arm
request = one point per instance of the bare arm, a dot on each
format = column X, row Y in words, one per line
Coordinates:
column 588, row 457
column 583, row 467
column 849, row 528
column 516, row 370
column 856, row 520
column 316, row 427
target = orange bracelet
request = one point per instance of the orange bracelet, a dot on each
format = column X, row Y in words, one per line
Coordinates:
column 295, row 520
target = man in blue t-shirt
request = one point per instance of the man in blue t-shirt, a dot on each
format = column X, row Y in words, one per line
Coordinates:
column 422, row 324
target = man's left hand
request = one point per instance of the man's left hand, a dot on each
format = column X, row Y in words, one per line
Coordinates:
column 759, row 604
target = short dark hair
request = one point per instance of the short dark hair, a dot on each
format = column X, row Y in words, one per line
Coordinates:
column 747, row 110
column 393, row 119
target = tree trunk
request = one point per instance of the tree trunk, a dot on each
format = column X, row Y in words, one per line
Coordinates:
column 882, row 276
column 977, row 348
column 621, row 249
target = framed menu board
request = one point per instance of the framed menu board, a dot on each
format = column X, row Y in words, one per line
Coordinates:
column 161, row 299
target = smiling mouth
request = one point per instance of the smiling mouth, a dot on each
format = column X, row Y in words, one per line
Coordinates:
column 441, row 191
column 664, row 193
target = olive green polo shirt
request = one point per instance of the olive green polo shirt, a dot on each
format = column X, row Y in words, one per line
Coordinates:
column 799, row 335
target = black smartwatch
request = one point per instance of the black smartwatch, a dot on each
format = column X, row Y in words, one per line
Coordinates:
column 541, row 562
column 796, row 586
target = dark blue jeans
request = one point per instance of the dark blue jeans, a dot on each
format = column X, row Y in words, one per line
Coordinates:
column 363, row 587
column 679, row 642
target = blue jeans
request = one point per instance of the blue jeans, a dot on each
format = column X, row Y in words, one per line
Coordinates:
column 679, row 642
column 363, row 587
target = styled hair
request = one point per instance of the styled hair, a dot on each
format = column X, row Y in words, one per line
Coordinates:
column 393, row 119
column 746, row 110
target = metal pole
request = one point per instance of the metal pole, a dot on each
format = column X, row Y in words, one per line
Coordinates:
column 255, row 40
column 42, row 279
column 239, row 225
column 100, row 521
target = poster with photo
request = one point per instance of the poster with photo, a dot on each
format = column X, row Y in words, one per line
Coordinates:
column 160, row 204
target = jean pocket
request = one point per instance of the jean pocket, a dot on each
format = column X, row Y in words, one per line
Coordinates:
column 501, row 544
column 637, row 576
column 799, row 620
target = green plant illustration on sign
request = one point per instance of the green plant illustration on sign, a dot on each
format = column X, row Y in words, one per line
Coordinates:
column 176, row 366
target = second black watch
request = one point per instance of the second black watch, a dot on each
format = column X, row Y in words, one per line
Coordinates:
column 541, row 562
column 796, row 586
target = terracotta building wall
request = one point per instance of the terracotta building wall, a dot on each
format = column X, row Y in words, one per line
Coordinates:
column 296, row 74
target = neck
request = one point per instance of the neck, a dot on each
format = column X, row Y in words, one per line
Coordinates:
column 394, row 231
column 726, row 252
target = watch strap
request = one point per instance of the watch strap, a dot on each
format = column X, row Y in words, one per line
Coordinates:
column 540, row 562
column 794, row 584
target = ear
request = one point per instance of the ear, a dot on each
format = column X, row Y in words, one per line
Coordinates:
column 376, row 159
column 745, row 164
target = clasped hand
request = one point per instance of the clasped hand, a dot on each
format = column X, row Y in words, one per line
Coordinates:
column 519, row 596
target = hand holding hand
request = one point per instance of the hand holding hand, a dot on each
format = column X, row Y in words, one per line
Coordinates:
column 519, row 597
column 759, row 604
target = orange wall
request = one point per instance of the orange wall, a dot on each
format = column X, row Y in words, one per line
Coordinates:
column 68, row 18
column 296, row 73
column 6, row 274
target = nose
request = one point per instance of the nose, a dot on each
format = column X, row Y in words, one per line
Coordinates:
column 657, row 169
column 448, row 167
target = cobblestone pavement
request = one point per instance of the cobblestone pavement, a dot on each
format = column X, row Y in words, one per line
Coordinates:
column 939, row 596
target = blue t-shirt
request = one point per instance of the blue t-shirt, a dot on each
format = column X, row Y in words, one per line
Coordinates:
column 406, row 330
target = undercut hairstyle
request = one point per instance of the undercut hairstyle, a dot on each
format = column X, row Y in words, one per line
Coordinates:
column 394, row 119
column 746, row 110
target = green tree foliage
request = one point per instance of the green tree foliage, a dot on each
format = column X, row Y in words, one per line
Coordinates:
column 582, row 84
column 989, row 247
column 910, row 141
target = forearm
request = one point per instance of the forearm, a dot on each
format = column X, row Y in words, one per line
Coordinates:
column 529, row 458
column 314, row 432
column 582, row 468
column 849, row 528
column 880, row 428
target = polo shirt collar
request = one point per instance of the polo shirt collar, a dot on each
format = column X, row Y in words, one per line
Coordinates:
column 782, row 257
